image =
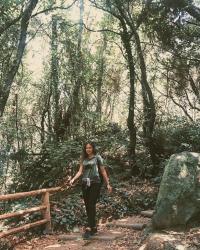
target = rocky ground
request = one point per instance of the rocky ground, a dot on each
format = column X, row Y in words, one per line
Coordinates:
column 126, row 238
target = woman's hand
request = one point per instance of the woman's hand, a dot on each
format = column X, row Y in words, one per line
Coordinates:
column 109, row 188
column 79, row 173
column 71, row 182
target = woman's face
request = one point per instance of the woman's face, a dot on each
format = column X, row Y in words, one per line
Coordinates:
column 89, row 149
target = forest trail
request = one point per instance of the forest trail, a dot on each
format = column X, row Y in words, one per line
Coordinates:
column 123, row 234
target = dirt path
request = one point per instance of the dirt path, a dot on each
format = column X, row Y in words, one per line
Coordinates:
column 125, row 238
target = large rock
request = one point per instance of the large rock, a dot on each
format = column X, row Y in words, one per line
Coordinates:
column 179, row 195
column 163, row 242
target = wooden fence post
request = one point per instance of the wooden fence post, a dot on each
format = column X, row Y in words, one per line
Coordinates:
column 44, row 208
column 46, row 213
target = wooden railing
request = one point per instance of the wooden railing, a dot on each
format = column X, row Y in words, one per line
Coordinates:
column 44, row 208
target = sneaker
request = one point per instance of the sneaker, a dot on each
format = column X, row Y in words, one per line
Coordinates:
column 93, row 231
column 87, row 234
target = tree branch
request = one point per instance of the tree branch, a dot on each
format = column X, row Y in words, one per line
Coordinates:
column 191, row 105
column 104, row 9
column 54, row 8
column 182, row 107
column 194, row 87
column 177, row 104
column 9, row 24
column 101, row 30
column 192, row 23
column 35, row 33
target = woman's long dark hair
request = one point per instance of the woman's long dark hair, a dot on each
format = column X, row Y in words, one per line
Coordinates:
column 84, row 153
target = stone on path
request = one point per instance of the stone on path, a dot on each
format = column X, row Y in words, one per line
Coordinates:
column 134, row 222
column 55, row 246
column 130, row 226
column 74, row 236
column 179, row 196
column 111, row 235
column 148, row 213
column 70, row 246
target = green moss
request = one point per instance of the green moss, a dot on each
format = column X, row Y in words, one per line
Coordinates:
column 176, row 202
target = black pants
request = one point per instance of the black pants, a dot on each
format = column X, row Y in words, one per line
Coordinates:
column 90, row 196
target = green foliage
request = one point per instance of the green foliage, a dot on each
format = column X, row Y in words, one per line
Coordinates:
column 5, row 244
column 69, row 212
column 171, row 25
column 56, row 161
column 176, row 134
column 42, row 134
column 53, row 163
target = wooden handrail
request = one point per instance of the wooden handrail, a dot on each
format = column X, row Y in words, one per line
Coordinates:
column 22, row 212
column 15, row 196
column 44, row 208
column 23, row 228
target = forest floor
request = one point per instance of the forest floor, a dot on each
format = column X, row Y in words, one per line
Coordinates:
column 128, row 239
column 126, row 194
column 128, row 199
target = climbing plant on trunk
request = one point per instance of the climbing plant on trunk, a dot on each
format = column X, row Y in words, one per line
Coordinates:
column 5, row 87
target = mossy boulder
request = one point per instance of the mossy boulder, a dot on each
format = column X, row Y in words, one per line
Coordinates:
column 178, row 200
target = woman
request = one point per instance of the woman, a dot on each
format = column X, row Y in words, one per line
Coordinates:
column 90, row 165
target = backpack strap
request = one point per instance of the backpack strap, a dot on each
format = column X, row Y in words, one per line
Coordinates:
column 98, row 164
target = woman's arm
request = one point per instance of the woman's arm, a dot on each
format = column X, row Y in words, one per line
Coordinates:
column 78, row 174
column 106, row 179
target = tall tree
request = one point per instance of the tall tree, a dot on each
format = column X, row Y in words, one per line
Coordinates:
column 126, row 39
column 101, row 63
column 71, row 117
column 130, row 22
column 54, row 77
column 177, row 42
column 14, row 65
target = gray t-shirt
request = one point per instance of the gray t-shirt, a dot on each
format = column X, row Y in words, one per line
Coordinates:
column 90, row 168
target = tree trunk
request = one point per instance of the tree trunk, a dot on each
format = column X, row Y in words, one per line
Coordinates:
column 6, row 85
column 100, row 77
column 71, row 119
column 148, row 100
column 195, row 88
column 131, row 115
column 55, row 79
column 148, row 103
column 16, row 121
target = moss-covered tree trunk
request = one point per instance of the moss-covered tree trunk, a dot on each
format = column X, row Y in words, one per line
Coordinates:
column 148, row 103
column 72, row 117
column 55, row 79
column 126, row 39
column 5, row 87
column 100, row 77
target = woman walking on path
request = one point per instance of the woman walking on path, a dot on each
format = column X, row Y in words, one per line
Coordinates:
column 90, row 165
